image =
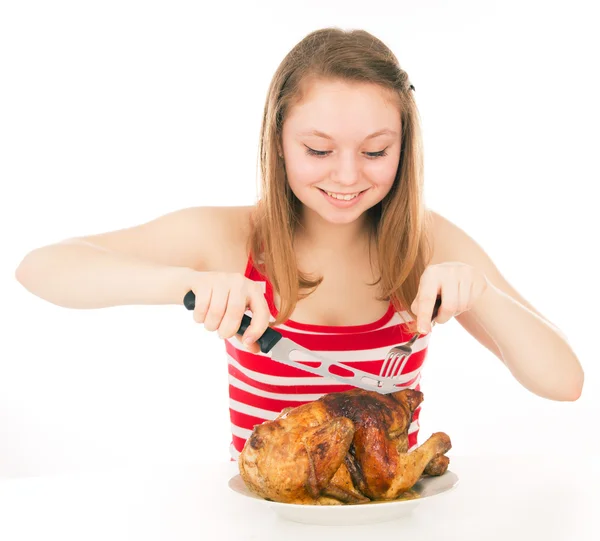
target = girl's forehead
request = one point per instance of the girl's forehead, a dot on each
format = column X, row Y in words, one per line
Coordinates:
column 339, row 107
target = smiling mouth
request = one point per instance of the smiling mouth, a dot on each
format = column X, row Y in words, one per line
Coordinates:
column 342, row 196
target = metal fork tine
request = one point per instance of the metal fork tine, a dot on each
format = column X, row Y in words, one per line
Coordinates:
column 394, row 356
column 385, row 366
column 397, row 362
column 391, row 365
column 400, row 366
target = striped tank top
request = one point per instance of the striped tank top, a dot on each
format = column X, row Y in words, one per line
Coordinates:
column 259, row 387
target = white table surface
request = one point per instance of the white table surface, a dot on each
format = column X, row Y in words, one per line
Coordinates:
column 509, row 498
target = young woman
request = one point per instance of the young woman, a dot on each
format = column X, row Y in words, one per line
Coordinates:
column 339, row 254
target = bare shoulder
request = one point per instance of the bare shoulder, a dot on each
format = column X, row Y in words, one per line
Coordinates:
column 229, row 251
column 202, row 238
column 449, row 240
column 452, row 243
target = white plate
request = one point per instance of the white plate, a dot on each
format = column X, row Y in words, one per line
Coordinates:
column 366, row 513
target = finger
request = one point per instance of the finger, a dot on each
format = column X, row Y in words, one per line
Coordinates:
column 253, row 347
column 429, row 287
column 260, row 316
column 425, row 311
column 425, row 303
column 236, row 306
column 449, row 293
column 201, row 303
column 216, row 310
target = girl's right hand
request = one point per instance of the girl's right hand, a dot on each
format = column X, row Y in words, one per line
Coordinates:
column 222, row 299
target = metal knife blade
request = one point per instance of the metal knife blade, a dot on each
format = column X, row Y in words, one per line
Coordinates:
column 281, row 349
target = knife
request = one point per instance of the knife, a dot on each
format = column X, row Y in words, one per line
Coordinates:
column 281, row 349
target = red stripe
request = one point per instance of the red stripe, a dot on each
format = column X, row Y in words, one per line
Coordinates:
column 244, row 420
column 290, row 390
column 269, row 404
column 416, row 413
column 238, row 443
column 412, row 439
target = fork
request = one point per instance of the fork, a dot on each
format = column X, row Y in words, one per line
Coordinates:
column 397, row 357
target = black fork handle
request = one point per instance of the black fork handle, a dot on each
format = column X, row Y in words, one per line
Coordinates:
column 267, row 340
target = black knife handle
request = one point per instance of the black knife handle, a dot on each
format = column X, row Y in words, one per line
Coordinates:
column 436, row 307
column 267, row 340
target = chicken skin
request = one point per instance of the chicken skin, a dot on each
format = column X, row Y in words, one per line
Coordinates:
column 344, row 448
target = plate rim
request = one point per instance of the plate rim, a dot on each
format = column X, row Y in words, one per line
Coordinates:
column 374, row 504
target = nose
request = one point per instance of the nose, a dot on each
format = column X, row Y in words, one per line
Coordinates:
column 347, row 170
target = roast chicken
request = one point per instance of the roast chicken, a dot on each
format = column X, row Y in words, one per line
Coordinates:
column 344, row 448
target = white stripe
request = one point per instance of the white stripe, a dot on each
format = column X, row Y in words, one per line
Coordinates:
column 252, row 410
column 277, row 396
column 240, row 432
column 373, row 354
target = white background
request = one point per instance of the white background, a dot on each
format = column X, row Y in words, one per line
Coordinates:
column 115, row 112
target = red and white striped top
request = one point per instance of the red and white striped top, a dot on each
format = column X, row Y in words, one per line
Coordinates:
column 259, row 387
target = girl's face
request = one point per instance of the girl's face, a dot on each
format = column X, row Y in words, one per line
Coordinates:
column 341, row 148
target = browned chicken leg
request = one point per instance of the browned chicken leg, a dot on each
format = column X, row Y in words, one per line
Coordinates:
column 378, row 461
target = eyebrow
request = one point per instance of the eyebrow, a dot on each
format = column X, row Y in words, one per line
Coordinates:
column 325, row 136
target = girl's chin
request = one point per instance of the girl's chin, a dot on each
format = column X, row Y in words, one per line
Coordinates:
column 340, row 217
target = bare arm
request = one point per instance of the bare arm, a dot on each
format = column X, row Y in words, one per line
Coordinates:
column 152, row 263
column 535, row 351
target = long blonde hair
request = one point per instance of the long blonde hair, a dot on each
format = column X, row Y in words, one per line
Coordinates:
column 398, row 222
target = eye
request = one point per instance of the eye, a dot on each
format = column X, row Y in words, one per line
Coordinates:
column 319, row 153
column 379, row 154
column 323, row 153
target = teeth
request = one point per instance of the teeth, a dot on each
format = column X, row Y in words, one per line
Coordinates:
column 344, row 197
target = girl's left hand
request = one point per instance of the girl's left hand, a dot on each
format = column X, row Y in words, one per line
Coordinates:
column 458, row 284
